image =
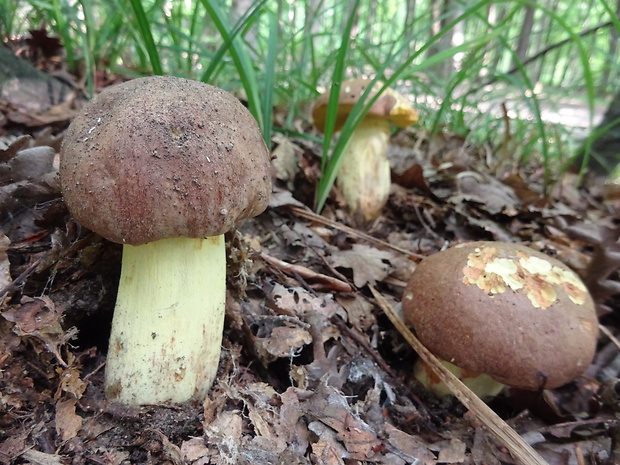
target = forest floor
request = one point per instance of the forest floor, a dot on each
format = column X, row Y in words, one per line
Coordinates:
column 312, row 370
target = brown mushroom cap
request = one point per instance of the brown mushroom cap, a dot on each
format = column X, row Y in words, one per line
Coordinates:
column 164, row 157
column 391, row 105
column 505, row 310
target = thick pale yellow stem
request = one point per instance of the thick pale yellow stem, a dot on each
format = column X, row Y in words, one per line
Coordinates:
column 364, row 174
column 168, row 321
column 481, row 384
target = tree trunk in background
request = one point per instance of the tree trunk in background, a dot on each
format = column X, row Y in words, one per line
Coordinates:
column 613, row 50
column 313, row 12
column 525, row 35
column 605, row 150
column 443, row 12
column 493, row 56
column 371, row 17
column 348, row 13
column 280, row 16
column 409, row 19
column 237, row 10
column 542, row 40
column 312, row 27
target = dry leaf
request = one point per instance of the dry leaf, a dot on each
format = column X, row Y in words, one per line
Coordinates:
column 284, row 159
column 68, row 423
column 195, row 451
column 327, row 449
column 330, row 408
column 359, row 311
column 5, row 266
column 369, row 264
column 411, row 448
column 277, row 337
column 494, row 196
column 39, row 318
column 225, row 434
column 298, row 301
column 36, row 457
column 452, row 451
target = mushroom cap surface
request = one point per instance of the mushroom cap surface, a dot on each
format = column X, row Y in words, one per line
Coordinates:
column 162, row 157
column 391, row 105
column 503, row 309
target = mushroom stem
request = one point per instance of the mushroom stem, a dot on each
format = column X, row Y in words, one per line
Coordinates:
column 364, row 174
column 168, row 321
column 481, row 384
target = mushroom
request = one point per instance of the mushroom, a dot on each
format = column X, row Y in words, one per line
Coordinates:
column 517, row 315
column 364, row 174
column 165, row 166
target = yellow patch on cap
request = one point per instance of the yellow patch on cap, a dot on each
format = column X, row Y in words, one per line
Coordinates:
column 535, row 276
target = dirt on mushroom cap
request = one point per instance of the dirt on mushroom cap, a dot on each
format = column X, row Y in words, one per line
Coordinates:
column 490, row 322
column 163, row 157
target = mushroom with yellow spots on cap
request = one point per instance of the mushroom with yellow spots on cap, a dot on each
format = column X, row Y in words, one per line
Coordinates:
column 513, row 314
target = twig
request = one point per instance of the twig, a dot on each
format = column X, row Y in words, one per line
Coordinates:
column 350, row 231
column 17, row 281
column 306, row 273
column 361, row 340
column 500, row 429
column 608, row 333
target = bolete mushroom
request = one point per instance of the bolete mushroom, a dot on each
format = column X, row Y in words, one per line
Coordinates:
column 364, row 174
column 165, row 166
column 505, row 310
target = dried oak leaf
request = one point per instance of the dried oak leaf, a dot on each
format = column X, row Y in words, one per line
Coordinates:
column 27, row 165
column 5, row 272
column 68, row 423
column 450, row 451
column 298, row 301
column 38, row 318
column 71, row 383
column 285, row 159
column 368, row 264
column 359, row 311
column 277, row 336
column 329, row 407
column 410, row 448
column 195, row 451
column 225, row 436
column 494, row 196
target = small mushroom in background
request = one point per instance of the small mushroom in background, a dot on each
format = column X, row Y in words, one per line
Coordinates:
column 501, row 314
column 364, row 174
column 165, row 166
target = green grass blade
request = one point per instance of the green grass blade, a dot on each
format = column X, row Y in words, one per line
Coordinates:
column 147, row 36
column 324, row 184
column 216, row 60
column 240, row 56
column 59, row 13
column 270, row 70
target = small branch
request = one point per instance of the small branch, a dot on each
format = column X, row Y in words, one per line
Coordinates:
column 20, row 279
column 306, row 273
column 611, row 337
column 350, row 231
